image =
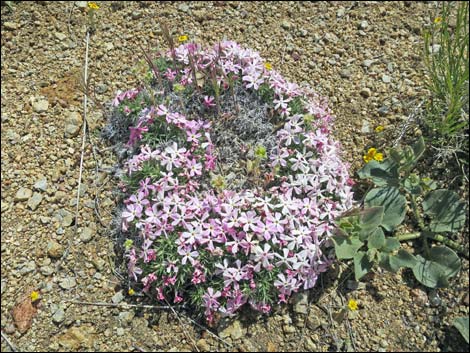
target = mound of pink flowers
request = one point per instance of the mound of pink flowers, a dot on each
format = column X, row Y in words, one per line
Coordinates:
column 190, row 237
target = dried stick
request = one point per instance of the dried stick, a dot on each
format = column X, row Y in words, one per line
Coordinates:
column 119, row 305
column 12, row 347
column 183, row 326
column 69, row 245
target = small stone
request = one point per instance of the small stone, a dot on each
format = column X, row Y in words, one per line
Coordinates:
column 27, row 267
column 10, row 329
column 41, row 185
column 434, row 298
column 363, row 25
column 126, row 317
column 5, row 206
column 11, row 26
column 183, row 7
column 58, row 316
column 34, row 201
column 54, row 249
column 234, row 331
column 288, row 329
column 40, row 106
column 73, row 124
column 23, row 194
column 120, row 331
column 285, row 24
column 81, row 4
column 365, row 129
column 330, row 37
column 367, row 63
column 386, row 78
column 68, row 283
column 109, row 46
column 47, row 270
column 340, row 12
column 365, row 92
column 202, row 345
column 118, row 297
column 384, row 110
column 300, row 301
column 345, row 73
column 60, row 36
column 86, row 235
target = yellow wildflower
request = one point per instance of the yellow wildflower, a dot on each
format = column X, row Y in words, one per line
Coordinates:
column 370, row 154
column 34, row 296
column 268, row 66
column 352, row 305
column 379, row 128
column 131, row 291
column 379, row 157
column 183, row 38
column 438, row 20
column 93, row 5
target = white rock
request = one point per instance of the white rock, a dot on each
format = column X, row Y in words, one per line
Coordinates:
column 40, row 106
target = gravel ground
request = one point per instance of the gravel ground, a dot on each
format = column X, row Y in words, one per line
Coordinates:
column 364, row 56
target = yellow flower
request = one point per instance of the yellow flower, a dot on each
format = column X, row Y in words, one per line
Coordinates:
column 352, row 305
column 131, row 291
column 93, row 5
column 438, row 20
column 379, row 157
column 34, row 296
column 379, row 128
column 268, row 66
column 183, row 38
column 370, row 155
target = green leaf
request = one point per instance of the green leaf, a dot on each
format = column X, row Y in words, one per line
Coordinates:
column 445, row 209
column 391, row 244
column 381, row 174
column 384, row 262
column 394, row 205
column 461, row 323
column 418, row 148
column 371, row 218
column 402, row 259
column 377, row 239
column 362, row 265
column 412, row 184
column 346, row 248
column 438, row 268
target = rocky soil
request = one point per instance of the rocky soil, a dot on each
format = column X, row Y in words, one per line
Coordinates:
column 364, row 56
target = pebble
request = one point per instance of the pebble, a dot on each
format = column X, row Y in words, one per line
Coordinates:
column 23, row 194
column 120, row 331
column 118, row 297
column 27, row 267
column 40, row 106
column 367, row 63
column 11, row 26
column 202, row 345
column 386, row 78
column 67, row 283
column 365, row 128
column 340, row 12
column 54, row 249
column 60, row 36
column 47, row 270
column 383, row 110
column 73, row 124
column 234, row 331
column 300, row 301
column 363, row 25
column 59, row 316
column 34, row 201
column 86, row 235
column 41, row 185
column 5, row 206
column 365, row 92
column 183, row 7
column 345, row 74
column 285, row 24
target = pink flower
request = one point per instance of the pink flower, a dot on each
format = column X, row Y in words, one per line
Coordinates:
column 209, row 101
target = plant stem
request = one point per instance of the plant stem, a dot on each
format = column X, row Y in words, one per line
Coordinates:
column 437, row 237
column 420, row 223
